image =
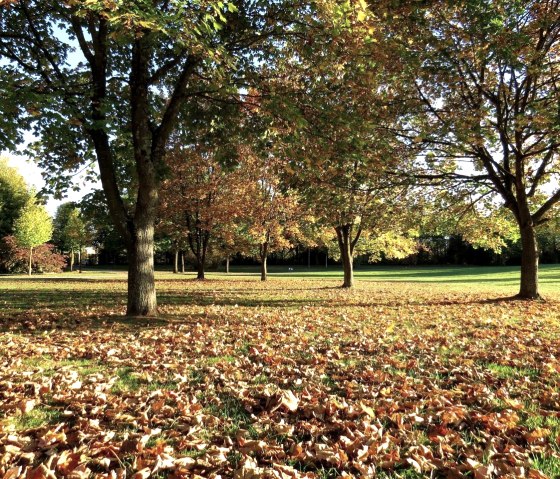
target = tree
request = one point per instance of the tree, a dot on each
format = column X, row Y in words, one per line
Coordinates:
column 334, row 112
column 33, row 228
column 486, row 76
column 107, row 81
column 273, row 211
column 200, row 196
column 77, row 234
column 15, row 259
column 14, row 195
column 71, row 232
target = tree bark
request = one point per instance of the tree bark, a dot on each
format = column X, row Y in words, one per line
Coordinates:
column 200, row 269
column 80, row 259
column 345, row 244
column 141, row 280
column 30, row 260
column 176, row 261
column 227, row 264
column 71, row 259
column 182, row 262
column 529, row 285
column 148, row 145
column 264, row 257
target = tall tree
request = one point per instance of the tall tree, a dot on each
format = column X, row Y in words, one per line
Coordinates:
column 106, row 82
column 334, row 112
column 487, row 79
column 33, row 228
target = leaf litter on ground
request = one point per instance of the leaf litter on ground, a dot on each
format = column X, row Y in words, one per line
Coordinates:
column 288, row 379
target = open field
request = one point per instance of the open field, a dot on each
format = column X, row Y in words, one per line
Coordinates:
column 419, row 372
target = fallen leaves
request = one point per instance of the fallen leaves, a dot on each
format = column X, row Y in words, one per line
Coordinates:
column 265, row 381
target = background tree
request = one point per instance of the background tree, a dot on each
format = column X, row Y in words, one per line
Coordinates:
column 273, row 211
column 200, row 196
column 335, row 112
column 77, row 235
column 486, row 78
column 14, row 195
column 71, row 232
column 32, row 228
column 15, row 259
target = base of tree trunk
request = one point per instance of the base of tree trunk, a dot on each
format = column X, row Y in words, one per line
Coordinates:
column 529, row 297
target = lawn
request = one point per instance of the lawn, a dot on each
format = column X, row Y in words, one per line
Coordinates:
column 418, row 372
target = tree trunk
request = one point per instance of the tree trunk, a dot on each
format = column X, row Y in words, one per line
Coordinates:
column 327, row 258
column 264, row 256
column 30, row 260
column 182, row 262
column 345, row 245
column 176, row 262
column 80, row 259
column 141, row 281
column 71, row 259
column 227, row 264
column 200, row 269
column 529, row 287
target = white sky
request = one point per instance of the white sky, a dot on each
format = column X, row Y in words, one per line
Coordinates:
column 33, row 177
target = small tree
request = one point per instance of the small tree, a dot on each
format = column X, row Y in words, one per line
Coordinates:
column 33, row 228
column 274, row 212
column 77, row 235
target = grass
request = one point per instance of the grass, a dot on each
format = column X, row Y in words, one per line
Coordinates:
column 409, row 350
column 48, row 366
column 547, row 464
column 506, row 372
column 36, row 418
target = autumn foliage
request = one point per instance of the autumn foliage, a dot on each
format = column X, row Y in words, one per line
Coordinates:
column 14, row 259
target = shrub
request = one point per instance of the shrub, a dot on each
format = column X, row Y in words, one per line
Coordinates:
column 13, row 259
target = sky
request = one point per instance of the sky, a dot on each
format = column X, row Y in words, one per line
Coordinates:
column 33, row 177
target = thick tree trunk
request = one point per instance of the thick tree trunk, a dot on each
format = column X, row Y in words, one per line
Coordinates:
column 345, row 245
column 264, row 257
column 529, row 287
column 227, row 264
column 176, row 261
column 141, row 281
column 30, row 260
column 72, row 260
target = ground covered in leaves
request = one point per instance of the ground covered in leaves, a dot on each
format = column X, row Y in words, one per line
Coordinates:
column 292, row 378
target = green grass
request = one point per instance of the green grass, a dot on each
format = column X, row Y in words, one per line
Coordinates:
column 38, row 417
column 101, row 291
column 547, row 464
column 496, row 275
column 128, row 380
column 507, row 372
column 49, row 366
column 212, row 360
